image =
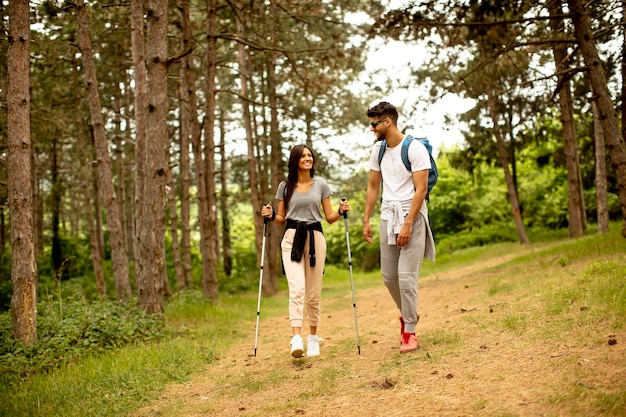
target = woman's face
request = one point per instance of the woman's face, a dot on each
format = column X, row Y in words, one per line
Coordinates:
column 306, row 160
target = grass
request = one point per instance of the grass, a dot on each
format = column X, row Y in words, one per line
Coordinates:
column 548, row 292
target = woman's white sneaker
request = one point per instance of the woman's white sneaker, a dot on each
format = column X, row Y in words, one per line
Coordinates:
column 297, row 346
column 313, row 345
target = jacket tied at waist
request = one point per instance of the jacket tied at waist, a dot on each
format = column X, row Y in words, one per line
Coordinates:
column 299, row 240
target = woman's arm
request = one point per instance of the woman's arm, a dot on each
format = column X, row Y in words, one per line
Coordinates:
column 268, row 212
column 331, row 215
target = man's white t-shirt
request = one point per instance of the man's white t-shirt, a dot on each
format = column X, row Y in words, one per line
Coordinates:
column 397, row 181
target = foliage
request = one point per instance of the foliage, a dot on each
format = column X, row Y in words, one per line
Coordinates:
column 71, row 329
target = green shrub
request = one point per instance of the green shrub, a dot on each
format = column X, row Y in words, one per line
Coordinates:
column 489, row 234
column 72, row 329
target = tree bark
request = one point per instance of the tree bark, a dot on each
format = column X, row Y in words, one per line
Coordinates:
column 504, row 160
column 601, row 183
column 226, row 239
column 129, row 178
column 602, row 97
column 274, row 234
column 97, row 201
column 119, row 162
column 141, row 108
column 20, row 195
column 623, row 70
column 199, row 165
column 255, row 197
column 55, row 207
column 116, row 233
column 38, row 210
column 171, row 202
column 209, row 277
column 576, row 209
column 85, row 155
column 185, row 134
column 151, row 281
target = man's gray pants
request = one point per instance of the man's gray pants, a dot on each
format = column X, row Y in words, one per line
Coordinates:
column 400, row 269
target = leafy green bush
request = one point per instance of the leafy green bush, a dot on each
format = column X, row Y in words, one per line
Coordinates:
column 477, row 237
column 69, row 330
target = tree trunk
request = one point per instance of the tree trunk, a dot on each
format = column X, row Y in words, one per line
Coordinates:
column 601, row 183
column 185, row 134
column 226, row 241
column 85, row 155
column 203, row 207
column 55, row 207
column 504, row 160
column 209, row 277
column 255, row 197
column 141, row 108
column 602, row 97
column 624, row 70
column 171, row 201
column 151, row 226
column 274, row 234
column 37, row 204
column 3, row 240
column 574, row 177
column 116, row 233
column 129, row 179
column 119, row 162
column 199, row 165
column 20, row 195
column 97, row 203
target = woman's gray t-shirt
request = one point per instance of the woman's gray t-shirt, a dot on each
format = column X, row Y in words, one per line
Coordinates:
column 305, row 207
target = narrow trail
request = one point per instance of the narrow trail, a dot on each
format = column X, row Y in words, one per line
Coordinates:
column 461, row 369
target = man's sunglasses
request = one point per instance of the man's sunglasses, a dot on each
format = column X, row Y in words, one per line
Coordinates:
column 374, row 124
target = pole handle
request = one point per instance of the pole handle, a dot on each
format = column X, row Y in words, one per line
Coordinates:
column 345, row 214
column 265, row 219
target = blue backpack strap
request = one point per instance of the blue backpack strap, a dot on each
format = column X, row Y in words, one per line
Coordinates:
column 432, row 173
column 404, row 152
column 381, row 151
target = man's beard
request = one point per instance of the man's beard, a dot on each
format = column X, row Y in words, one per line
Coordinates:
column 381, row 136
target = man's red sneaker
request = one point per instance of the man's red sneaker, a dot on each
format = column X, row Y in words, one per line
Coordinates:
column 409, row 343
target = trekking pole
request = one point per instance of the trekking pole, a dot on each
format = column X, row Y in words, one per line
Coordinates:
column 356, row 323
column 258, row 307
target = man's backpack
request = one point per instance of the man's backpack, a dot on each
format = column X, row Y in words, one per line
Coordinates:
column 433, row 174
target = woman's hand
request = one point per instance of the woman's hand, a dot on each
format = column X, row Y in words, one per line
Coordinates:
column 344, row 207
column 267, row 211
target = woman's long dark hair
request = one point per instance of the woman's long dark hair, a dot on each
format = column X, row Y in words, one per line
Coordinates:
column 292, row 175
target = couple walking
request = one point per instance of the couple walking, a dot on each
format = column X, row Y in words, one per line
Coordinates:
column 405, row 233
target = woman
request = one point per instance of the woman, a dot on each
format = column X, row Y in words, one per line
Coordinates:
column 303, row 244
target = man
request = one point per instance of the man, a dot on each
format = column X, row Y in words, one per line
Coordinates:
column 406, row 237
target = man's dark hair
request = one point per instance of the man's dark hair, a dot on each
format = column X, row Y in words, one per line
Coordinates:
column 384, row 109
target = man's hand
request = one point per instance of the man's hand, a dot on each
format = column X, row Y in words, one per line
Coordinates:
column 405, row 234
column 367, row 232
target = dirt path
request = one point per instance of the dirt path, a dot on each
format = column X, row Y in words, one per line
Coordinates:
column 462, row 368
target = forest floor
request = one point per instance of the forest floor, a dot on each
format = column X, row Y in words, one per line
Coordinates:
column 473, row 360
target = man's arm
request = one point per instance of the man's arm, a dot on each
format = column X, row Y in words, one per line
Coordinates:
column 371, row 195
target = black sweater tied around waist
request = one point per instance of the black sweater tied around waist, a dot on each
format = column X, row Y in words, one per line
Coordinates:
column 299, row 240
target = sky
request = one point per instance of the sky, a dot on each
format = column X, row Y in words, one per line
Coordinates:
column 392, row 59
